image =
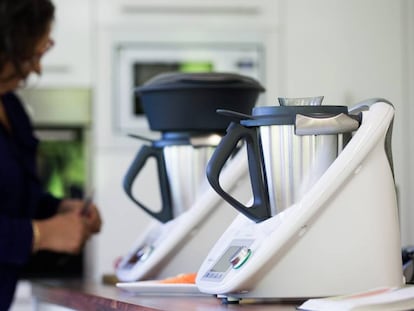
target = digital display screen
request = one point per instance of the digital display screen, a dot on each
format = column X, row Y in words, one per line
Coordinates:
column 224, row 262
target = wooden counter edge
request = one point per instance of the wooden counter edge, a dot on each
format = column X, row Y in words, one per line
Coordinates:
column 82, row 297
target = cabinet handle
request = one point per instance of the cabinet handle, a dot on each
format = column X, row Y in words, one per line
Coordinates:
column 56, row 69
column 187, row 10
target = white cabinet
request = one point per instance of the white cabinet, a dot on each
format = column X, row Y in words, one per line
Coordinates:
column 147, row 25
column 68, row 63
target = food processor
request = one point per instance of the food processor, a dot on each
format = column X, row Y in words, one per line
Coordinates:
column 323, row 219
column 182, row 107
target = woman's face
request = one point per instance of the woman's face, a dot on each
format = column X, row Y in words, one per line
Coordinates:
column 11, row 80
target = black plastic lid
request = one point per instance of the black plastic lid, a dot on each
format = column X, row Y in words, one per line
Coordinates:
column 286, row 115
column 177, row 80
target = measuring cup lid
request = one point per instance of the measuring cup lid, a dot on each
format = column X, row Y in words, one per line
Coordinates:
column 199, row 80
column 286, row 115
column 300, row 101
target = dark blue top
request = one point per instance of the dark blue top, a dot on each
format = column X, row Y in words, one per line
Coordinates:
column 21, row 196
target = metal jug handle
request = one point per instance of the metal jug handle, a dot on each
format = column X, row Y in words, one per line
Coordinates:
column 146, row 152
column 260, row 209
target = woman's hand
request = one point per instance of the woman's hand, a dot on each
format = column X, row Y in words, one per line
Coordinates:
column 67, row 205
column 93, row 218
column 65, row 233
column 70, row 228
column 85, row 208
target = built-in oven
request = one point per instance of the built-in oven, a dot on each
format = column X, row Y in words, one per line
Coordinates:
column 136, row 63
column 61, row 118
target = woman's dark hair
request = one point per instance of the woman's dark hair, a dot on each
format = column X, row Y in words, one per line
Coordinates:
column 22, row 24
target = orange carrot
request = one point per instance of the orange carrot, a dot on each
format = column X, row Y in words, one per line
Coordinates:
column 187, row 278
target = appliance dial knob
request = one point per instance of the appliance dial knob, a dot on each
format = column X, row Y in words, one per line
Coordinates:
column 240, row 257
column 145, row 252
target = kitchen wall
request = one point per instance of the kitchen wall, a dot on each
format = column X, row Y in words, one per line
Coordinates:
column 352, row 50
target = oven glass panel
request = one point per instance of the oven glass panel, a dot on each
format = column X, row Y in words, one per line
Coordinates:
column 61, row 162
column 62, row 172
column 145, row 71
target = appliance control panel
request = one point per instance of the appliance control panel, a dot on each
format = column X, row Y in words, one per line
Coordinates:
column 234, row 257
column 144, row 248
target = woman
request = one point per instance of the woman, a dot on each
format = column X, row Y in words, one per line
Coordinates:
column 30, row 218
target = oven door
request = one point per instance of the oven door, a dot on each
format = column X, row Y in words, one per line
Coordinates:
column 137, row 63
column 61, row 119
